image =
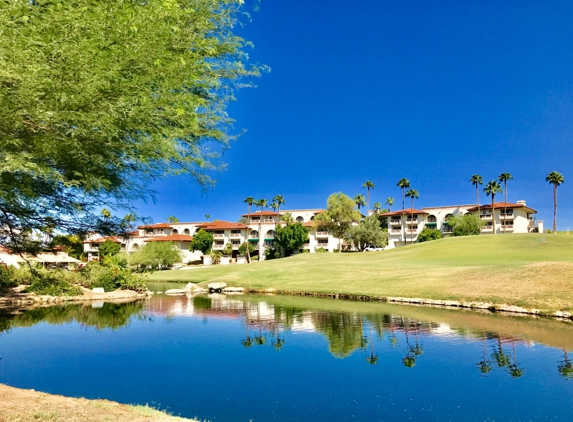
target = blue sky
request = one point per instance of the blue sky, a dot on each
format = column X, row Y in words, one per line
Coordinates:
column 433, row 91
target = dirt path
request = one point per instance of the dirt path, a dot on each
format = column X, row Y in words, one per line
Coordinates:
column 18, row 405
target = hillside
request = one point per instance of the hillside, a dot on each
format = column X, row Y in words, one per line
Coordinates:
column 525, row 270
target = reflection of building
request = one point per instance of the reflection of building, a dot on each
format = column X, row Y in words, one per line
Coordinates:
column 517, row 218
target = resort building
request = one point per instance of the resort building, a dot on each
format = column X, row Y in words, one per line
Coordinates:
column 404, row 226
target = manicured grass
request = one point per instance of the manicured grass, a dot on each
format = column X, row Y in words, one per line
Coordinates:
column 530, row 270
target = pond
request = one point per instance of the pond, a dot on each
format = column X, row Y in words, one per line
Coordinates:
column 273, row 358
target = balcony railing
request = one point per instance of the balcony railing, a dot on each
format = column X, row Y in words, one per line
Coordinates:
column 395, row 231
column 507, row 227
column 268, row 220
column 508, row 215
column 487, row 228
column 411, row 230
column 255, row 221
column 395, row 222
column 235, row 235
column 218, row 236
column 485, row 216
column 218, row 247
column 321, row 234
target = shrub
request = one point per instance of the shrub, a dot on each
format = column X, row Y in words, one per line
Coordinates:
column 255, row 258
column 202, row 241
column 109, row 248
column 305, row 251
column 271, row 253
column 466, row 225
column 246, row 246
column 53, row 283
column 228, row 249
column 113, row 275
column 216, row 257
column 321, row 250
column 429, row 234
column 7, row 276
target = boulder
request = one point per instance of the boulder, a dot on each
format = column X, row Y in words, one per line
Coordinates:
column 217, row 286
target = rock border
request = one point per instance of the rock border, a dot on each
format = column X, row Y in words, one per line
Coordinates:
column 482, row 306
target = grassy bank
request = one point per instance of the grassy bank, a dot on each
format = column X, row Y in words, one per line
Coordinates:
column 17, row 405
column 530, row 270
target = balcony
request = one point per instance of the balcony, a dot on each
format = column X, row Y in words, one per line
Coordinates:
column 218, row 247
column 485, row 217
column 268, row 220
column 486, row 229
column 395, row 222
column 508, row 227
column 321, row 234
column 395, row 231
column 255, row 220
column 410, row 231
column 235, row 235
column 504, row 216
column 410, row 221
column 218, row 236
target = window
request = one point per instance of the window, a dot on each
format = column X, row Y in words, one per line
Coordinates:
column 432, row 219
column 236, row 242
column 254, row 234
column 300, row 219
column 219, row 242
column 186, row 231
column 236, row 231
column 174, row 231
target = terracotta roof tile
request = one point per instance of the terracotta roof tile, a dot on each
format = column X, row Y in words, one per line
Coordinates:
column 156, row 226
column 222, row 225
column 403, row 212
column 171, row 238
column 498, row 205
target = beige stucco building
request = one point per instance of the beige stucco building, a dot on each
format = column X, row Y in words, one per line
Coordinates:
column 405, row 226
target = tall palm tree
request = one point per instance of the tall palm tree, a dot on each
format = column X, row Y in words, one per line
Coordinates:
column 359, row 201
column 476, row 180
column 403, row 184
column 377, row 207
column 504, row 177
column 412, row 194
column 273, row 206
column 249, row 200
column 279, row 201
column 390, row 201
column 261, row 203
column 106, row 214
column 172, row 219
column 368, row 185
column 207, row 217
column 491, row 189
column 127, row 221
column 555, row 178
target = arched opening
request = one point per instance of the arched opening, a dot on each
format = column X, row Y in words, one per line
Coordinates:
column 432, row 219
column 299, row 219
column 254, row 234
column 312, row 218
column 174, row 231
column 135, row 247
column 270, row 234
column 186, row 231
column 446, row 226
column 197, row 229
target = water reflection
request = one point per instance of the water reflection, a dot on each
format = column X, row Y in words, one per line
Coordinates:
column 352, row 332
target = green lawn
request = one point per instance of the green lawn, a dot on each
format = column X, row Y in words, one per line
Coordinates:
column 531, row 270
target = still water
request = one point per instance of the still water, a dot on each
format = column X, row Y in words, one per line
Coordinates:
column 265, row 358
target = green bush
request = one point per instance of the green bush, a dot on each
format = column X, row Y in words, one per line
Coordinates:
column 429, row 234
column 271, row 253
column 255, row 258
column 215, row 257
column 112, row 275
column 228, row 249
column 321, row 250
column 305, row 251
column 7, row 276
column 53, row 283
column 246, row 246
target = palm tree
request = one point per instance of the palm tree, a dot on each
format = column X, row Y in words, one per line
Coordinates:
column 207, row 217
column 389, row 201
column 412, row 194
column 491, row 189
column 403, row 184
column 359, row 200
column 555, row 178
column 273, row 205
column 476, row 180
column 172, row 219
column 504, row 177
column 249, row 200
column 279, row 201
column 106, row 214
column 261, row 203
column 377, row 206
column 368, row 185
column 127, row 220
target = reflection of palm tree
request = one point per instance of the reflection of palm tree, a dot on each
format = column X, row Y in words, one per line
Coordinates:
column 484, row 364
column 373, row 358
column 418, row 349
column 247, row 342
column 565, row 367
column 390, row 322
column 409, row 360
column 501, row 359
column 260, row 339
column 514, row 368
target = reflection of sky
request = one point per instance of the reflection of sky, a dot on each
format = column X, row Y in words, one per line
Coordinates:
column 198, row 367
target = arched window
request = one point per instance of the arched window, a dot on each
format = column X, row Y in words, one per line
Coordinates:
column 432, row 219
column 270, row 234
column 448, row 216
column 299, row 219
column 254, row 234
column 186, row 231
column 135, row 247
column 174, row 231
column 312, row 218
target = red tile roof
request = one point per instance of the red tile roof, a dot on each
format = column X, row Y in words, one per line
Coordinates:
column 171, row 238
column 115, row 239
column 259, row 213
column 403, row 212
column 156, row 226
column 221, row 225
column 498, row 205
